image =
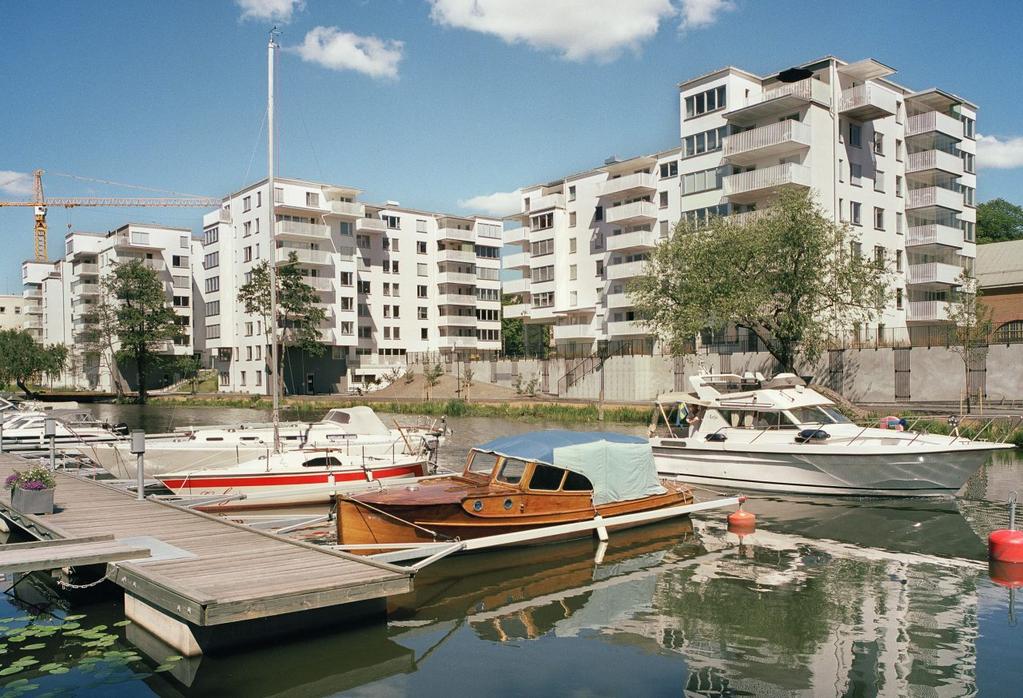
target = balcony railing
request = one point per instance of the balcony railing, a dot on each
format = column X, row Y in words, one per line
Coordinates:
column 539, row 203
column 934, row 160
column 516, row 310
column 303, row 256
column 782, row 99
column 934, row 196
column 636, row 240
column 767, row 141
column 626, row 270
column 457, row 342
column 766, row 179
column 457, row 320
column 935, row 273
column 514, row 286
column 924, row 311
column 80, row 269
column 574, row 331
column 456, row 234
column 934, row 234
column 516, row 236
column 634, row 212
column 455, row 277
column 370, row 225
column 625, row 328
column 468, row 256
column 933, row 121
column 349, row 209
column 320, row 283
column 302, row 230
column 456, row 299
column 866, row 102
column 631, row 183
column 518, row 260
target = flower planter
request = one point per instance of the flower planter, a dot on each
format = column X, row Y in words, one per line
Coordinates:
column 32, row 501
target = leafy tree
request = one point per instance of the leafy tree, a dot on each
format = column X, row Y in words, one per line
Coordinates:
column 787, row 276
column 431, row 376
column 144, row 321
column 467, row 375
column 298, row 314
column 971, row 326
column 520, row 339
column 99, row 340
column 410, row 376
column 189, row 368
column 23, row 360
column 998, row 221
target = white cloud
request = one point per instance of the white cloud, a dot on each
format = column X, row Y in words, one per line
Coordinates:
column 270, row 10
column 703, row 13
column 500, row 203
column 998, row 154
column 16, row 183
column 578, row 30
column 338, row 50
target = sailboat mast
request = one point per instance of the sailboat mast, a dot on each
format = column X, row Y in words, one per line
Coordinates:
column 275, row 389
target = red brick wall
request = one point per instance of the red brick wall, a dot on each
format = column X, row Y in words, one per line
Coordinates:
column 1006, row 304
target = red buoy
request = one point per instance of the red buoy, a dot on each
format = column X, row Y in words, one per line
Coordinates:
column 741, row 522
column 1006, row 574
column 1006, row 544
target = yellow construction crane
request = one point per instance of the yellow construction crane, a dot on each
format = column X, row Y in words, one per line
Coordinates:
column 40, row 204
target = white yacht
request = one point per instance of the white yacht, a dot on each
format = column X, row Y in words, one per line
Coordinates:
column 781, row 436
column 26, row 431
column 352, row 431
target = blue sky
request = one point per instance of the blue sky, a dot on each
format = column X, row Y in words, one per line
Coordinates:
column 438, row 104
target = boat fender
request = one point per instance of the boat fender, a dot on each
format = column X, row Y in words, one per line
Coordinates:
column 1006, row 545
column 808, row 435
column 716, row 436
column 740, row 521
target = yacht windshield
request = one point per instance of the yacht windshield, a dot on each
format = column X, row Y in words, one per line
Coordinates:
column 481, row 463
column 818, row 415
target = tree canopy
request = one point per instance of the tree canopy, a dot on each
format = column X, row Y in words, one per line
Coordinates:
column 971, row 326
column 144, row 321
column 518, row 339
column 23, row 360
column 790, row 275
column 299, row 316
column 999, row 221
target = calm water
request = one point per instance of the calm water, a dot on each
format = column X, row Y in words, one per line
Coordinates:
column 828, row 597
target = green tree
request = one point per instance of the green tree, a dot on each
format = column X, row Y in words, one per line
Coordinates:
column 144, row 321
column 998, row 221
column 520, row 339
column 467, row 379
column 299, row 315
column 99, row 340
column 431, row 377
column 788, row 276
column 971, row 326
column 23, row 360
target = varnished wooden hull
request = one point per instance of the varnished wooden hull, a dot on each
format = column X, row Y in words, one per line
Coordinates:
column 364, row 523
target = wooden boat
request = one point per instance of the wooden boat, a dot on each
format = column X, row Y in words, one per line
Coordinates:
column 516, row 484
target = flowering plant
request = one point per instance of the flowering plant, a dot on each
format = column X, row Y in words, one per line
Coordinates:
column 36, row 478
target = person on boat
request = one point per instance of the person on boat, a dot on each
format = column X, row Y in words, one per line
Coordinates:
column 694, row 419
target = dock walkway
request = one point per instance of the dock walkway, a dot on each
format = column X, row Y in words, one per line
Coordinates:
column 201, row 569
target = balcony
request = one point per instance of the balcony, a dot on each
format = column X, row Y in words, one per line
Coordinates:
column 513, row 286
column 625, row 328
column 303, row 256
column 749, row 186
column 540, row 203
column 626, row 270
column 771, row 141
column 134, row 241
column 636, row 240
column 927, row 197
column 455, row 277
column 35, row 308
column 934, row 122
column 782, row 99
column 32, row 323
column 516, row 236
column 632, row 213
column 457, row 342
column 934, row 235
column 516, row 310
column 637, row 183
column 32, row 293
column 927, row 311
column 867, row 102
column 370, row 225
column 618, row 300
column 457, row 320
column 566, row 332
column 456, row 299
column 934, row 162
column 347, row 209
column 466, row 256
column 935, row 274
column 80, row 269
column 456, row 234
column 85, row 289
column 320, row 283
column 518, row 260
column 302, row 231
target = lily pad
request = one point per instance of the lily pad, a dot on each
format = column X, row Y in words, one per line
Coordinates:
column 77, row 617
column 174, row 658
column 59, row 670
column 122, row 623
column 164, row 667
column 13, row 669
column 35, row 646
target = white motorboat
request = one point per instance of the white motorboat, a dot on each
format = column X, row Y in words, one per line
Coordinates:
column 26, row 431
column 781, row 436
column 304, row 476
column 351, row 431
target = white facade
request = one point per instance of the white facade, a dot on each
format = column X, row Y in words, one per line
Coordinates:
column 896, row 164
column 65, row 289
column 19, row 313
column 398, row 284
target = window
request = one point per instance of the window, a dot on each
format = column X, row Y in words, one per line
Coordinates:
column 898, row 260
column 422, row 269
column 213, row 284
column 211, row 236
column 365, row 332
column 346, row 278
column 422, row 313
column 705, row 102
column 879, row 181
column 855, row 249
column 664, row 230
column 969, row 126
column 878, row 143
column 573, row 272
column 259, row 199
column 546, row 478
column 662, row 199
column 347, row 303
column 841, row 170
column 248, row 329
column 312, row 199
column 898, row 185
column 898, row 150
column 420, row 291
column 898, row 223
column 855, row 175
column 212, row 331
column 969, row 194
column 542, row 274
column 854, row 212
column 969, row 229
column 541, row 248
column 600, row 267
column 420, row 247
column 179, row 261
column 705, row 142
column 182, row 302
column 278, row 194
column 571, row 193
column 242, row 381
column 598, row 213
column 879, row 256
column 855, row 136
column 541, row 222
column 362, row 240
column 247, row 228
column 669, row 169
column 878, row 218
column 704, row 180
column 574, row 482
column 571, row 219
column 246, row 204
column 969, row 162
column 212, row 308
column 424, row 333
column 393, row 222
column 211, row 260
column 572, row 245
column 247, row 254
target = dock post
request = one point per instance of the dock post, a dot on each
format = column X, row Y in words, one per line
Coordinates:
column 138, row 447
column 50, row 431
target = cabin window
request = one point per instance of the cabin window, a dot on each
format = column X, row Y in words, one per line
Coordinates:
column 818, row 415
column 323, row 461
column 482, row 463
column 214, row 438
column 339, row 417
column 511, row 471
column 546, row 477
column 249, row 438
column 575, row 482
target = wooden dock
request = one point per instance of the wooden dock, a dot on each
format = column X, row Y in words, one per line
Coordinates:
column 194, row 571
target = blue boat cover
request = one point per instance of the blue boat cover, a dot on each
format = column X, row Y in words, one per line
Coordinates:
column 619, row 467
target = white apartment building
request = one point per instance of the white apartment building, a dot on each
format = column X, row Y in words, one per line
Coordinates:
column 897, row 164
column 19, row 313
column 398, row 284
column 64, row 290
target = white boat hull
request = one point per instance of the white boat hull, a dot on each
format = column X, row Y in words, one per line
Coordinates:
column 814, row 470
